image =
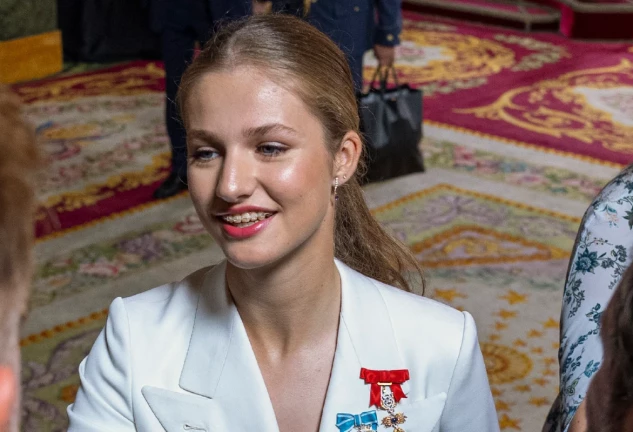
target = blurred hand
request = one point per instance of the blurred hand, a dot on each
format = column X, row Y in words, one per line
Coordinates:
column 386, row 55
column 261, row 7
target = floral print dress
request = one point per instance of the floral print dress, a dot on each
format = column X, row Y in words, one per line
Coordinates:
column 601, row 254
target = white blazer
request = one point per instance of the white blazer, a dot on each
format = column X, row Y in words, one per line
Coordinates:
column 178, row 358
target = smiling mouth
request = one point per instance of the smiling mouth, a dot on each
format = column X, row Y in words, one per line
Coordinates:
column 245, row 219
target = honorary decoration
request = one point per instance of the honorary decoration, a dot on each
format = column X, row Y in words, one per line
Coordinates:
column 386, row 392
column 367, row 421
column 379, row 379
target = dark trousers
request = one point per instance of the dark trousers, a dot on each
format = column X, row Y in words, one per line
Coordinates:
column 348, row 31
column 187, row 22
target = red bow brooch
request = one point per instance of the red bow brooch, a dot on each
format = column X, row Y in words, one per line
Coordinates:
column 381, row 378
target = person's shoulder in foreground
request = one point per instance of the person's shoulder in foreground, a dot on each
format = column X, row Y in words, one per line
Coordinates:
column 19, row 163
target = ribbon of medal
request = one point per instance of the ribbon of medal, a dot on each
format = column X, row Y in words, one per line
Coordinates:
column 386, row 392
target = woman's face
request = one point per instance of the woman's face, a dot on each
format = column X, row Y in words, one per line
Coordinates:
column 260, row 175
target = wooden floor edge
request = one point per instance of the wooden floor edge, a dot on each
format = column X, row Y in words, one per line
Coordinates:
column 31, row 57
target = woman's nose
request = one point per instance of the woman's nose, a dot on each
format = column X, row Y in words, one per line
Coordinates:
column 236, row 180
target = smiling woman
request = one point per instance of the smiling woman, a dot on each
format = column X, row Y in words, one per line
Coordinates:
column 301, row 77
column 299, row 328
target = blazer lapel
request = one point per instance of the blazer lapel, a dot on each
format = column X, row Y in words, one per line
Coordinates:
column 226, row 388
column 182, row 411
column 366, row 339
column 220, row 370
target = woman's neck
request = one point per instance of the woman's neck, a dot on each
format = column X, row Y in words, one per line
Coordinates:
column 288, row 307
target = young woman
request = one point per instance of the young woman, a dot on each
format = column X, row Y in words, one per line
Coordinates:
column 299, row 329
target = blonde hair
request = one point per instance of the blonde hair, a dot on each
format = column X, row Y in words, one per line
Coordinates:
column 18, row 165
column 294, row 51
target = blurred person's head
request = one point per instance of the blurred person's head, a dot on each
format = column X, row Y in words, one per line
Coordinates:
column 610, row 396
column 18, row 163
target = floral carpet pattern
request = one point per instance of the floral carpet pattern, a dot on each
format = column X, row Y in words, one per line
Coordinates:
column 493, row 166
column 542, row 90
column 104, row 136
column 493, row 220
column 88, row 267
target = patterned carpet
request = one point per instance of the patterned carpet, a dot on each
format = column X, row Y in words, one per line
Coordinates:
column 540, row 90
column 491, row 221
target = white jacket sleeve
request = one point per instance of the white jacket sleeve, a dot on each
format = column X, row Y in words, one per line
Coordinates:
column 104, row 400
column 469, row 404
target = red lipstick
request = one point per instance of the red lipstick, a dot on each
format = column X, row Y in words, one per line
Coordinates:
column 236, row 232
column 246, row 232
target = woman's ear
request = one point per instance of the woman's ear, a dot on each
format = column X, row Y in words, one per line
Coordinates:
column 347, row 156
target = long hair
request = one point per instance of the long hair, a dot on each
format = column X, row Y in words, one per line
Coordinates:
column 610, row 396
column 293, row 51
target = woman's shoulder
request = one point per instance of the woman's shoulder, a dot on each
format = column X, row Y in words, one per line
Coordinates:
column 422, row 324
column 416, row 310
column 426, row 331
column 169, row 298
column 407, row 310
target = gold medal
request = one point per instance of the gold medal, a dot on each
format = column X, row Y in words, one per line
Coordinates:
column 386, row 392
column 388, row 403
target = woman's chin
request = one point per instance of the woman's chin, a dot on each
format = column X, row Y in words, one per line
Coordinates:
column 249, row 260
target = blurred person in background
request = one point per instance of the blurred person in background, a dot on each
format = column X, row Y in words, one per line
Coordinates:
column 182, row 24
column 357, row 26
column 18, row 162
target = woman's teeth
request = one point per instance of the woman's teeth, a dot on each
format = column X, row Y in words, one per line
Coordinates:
column 245, row 219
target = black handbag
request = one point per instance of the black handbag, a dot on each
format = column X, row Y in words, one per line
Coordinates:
column 391, row 122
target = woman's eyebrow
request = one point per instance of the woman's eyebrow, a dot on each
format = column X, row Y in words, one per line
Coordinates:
column 202, row 135
column 264, row 129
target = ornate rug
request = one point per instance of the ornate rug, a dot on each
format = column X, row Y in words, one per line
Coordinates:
column 103, row 133
column 538, row 90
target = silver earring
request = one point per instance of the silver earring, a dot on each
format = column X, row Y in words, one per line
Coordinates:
column 335, row 189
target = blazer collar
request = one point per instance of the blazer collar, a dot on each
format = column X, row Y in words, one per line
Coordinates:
column 365, row 316
column 220, row 363
column 365, row 339
column 213, row 330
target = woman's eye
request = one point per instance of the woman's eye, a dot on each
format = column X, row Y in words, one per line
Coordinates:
column 271, row 150
column 204, row 155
